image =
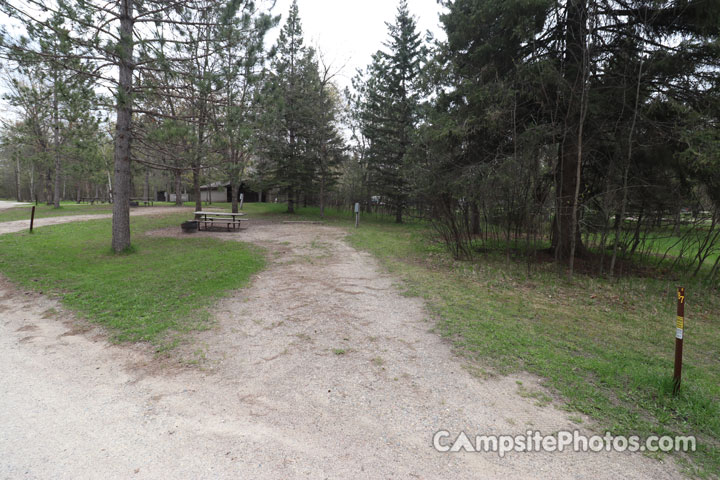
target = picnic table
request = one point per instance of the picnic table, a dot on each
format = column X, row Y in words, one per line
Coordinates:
column 210, row 219
column 92, row 200
column 148, row 202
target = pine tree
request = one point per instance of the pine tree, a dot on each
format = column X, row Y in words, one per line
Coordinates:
column 329, row 145
column 291, row 113
column 390, row 108
column 240, row 79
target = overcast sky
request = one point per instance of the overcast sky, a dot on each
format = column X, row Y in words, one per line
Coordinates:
column 348, row 32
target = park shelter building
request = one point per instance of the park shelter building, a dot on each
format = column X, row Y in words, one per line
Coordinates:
column 219, row 192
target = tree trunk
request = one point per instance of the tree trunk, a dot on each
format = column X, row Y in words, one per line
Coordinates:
column 678, row 218
column 234, row 189
column 474, row 218
column 618, row 221
column 322, row 196
column 565, row 226
column 48, row 192
column 109, row 187
column 398, row 213
column 291, row 201
column 56, row 144
column 198, row 161
column 123, row 139
column 18, row 190
column 33, row 196
column 576, row 197
column 196, row 187
column 146, row 189
column 178, row 189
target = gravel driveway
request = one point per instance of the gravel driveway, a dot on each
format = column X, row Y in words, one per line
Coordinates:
column 5, row 204
column 322, row 368
column 19, row 225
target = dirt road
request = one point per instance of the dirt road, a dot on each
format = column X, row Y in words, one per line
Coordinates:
column 19, row 225
column 4, row 204
column 320, row 369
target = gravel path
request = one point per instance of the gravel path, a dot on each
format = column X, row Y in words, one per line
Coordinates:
column 19, row 225
column 320, row 369
column 4, row 204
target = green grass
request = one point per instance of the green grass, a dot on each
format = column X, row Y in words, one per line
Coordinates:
column 165, row 287
column 660, row 248
column 605, row 348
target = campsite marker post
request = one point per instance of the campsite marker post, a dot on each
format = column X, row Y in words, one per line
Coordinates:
column 679, row 330
column 357, row 214
column 32, row 218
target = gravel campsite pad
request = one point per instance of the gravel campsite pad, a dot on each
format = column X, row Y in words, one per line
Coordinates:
column 321, row 368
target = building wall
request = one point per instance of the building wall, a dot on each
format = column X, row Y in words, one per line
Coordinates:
column 184, row 197
column 214, row 196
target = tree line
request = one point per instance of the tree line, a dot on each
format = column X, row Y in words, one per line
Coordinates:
column 105, row 92
column 577, row 129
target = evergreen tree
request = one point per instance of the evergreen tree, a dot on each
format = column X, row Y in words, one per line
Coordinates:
column 329, row 145
column 390, row 108
column 240, row 78
column 292, row 103
column 591, row 89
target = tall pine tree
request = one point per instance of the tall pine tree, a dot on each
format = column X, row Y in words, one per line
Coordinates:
column 293, row 115
column 390, row 108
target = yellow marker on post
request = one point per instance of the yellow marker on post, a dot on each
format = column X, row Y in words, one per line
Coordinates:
column 679, row 334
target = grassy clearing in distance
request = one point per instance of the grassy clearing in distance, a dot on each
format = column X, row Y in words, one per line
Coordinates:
column 606, row 347
column 164, row 288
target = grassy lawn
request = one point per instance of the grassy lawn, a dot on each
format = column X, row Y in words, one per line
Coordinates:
column 604, row 347
column 660, row 247
column 159, row 291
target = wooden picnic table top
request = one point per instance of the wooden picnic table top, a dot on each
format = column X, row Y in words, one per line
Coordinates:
column 220, row 214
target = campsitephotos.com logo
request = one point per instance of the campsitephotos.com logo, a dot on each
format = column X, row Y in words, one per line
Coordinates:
column 534, row 441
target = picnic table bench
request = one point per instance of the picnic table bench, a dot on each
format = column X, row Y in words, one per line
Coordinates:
column 233, row 221
column 92, row 200
column 148, row 202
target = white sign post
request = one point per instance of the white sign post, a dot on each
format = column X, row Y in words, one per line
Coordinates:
column 357, row 214
column 242, row 198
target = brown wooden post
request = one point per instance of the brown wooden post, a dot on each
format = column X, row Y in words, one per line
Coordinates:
column 679, row 330
column 32, row 219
